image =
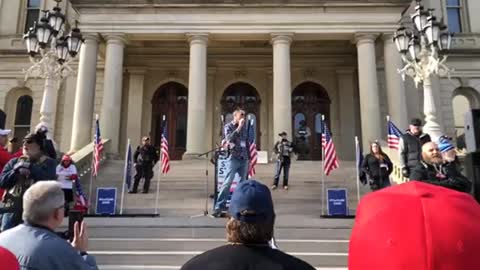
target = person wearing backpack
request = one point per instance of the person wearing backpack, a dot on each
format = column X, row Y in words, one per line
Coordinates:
column 20, row 173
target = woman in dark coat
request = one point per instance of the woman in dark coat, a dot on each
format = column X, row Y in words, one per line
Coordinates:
column 378, row 167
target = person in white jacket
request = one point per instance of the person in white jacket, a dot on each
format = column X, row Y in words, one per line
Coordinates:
column 66, row 174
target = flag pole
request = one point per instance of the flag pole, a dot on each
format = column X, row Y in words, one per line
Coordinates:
column 357, row 150
column 389, row 150
column 159, row 166
column 125, row 171
column 323, row 166
column 92, row 168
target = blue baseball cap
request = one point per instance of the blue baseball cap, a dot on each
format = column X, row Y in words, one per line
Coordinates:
column 252, row 203
column 444, row 144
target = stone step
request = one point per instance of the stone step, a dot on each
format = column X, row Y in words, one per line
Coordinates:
column 193, row 244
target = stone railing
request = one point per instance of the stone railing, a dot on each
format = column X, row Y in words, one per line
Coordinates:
column 83, row 158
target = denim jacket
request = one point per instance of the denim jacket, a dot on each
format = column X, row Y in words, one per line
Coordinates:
column 238, row 140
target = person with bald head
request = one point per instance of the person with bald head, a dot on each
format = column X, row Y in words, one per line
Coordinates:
column 434, row 170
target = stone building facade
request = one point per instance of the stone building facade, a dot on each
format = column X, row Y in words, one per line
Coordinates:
column 195, row 61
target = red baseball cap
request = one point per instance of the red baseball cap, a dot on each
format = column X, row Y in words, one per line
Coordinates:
column 416, row 226
column 8, row 261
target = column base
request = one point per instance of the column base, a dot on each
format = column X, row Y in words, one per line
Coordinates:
column 192, row 156
column 433, row 129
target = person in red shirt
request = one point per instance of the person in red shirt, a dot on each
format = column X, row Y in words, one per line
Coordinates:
column 5, row 156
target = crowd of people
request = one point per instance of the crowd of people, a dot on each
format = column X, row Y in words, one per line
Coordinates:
column 35, row 207
column 420, row 159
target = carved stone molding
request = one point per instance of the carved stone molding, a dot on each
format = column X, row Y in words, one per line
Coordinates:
column 240, row 74
column 309, row 72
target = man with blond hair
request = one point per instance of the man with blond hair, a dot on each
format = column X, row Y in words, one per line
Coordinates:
column 35, row 243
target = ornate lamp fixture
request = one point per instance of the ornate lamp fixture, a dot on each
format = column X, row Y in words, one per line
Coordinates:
column 423, row 48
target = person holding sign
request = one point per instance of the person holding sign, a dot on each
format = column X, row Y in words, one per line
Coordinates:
column 236, row 135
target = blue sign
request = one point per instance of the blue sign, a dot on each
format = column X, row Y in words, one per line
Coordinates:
column 337, row 202
column 106, row 201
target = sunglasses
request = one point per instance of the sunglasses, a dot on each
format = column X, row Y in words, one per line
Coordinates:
column 146, row 140
column 29, row 141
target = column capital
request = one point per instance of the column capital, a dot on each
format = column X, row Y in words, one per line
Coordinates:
column 91, row 37
column 116, row 38
column 136, row 71
column 361, row 38
column 197, row 38
column 285, row 38
column 387, row 37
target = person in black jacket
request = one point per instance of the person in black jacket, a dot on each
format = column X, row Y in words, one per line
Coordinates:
column 411, row 146
column 434, row 170
column 378, row 167
column 20, row 173
column 48, row 144
column 283, row 149
column 144, row 158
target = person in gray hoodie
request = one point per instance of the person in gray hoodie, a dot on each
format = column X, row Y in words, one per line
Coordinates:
column 35, row 243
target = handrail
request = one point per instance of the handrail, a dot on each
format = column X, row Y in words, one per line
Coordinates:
column 83, row 162
column 83, row 158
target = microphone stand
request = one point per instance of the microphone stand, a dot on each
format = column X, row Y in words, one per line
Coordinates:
column 206, row 154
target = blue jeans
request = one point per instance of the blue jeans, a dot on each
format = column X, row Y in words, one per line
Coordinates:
column 236, row 166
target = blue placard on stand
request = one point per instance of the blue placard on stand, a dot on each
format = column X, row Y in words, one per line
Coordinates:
column 337, row 202
column 106, row 201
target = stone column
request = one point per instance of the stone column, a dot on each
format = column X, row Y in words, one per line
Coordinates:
column 368, row 87
column 211, row 115
column 346, row 90
column 112, row 93
column 48, row 107
column 135, row 106
column 197, row 95
column 85, row 94
column 397, row 98
column 282, row 86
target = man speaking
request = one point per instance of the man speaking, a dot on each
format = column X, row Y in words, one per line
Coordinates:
column 236, row 136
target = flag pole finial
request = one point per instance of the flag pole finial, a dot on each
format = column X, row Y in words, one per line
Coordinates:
column 388, row 118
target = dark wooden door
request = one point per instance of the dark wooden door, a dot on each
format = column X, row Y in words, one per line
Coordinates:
column 171, row 101
column 243, row 96
column 309, row 102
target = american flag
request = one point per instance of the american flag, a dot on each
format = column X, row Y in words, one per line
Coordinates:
column 164, row 156
column 253, row 149
column 97, row 148
column 394, row 134
column 330, row 161
column 80, row 199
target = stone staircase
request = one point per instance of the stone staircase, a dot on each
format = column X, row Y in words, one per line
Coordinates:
column 183, row 192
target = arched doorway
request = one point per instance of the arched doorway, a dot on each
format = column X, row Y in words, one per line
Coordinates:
column 245, row 96
column 171, row 100
column 463, row 100
column 309, row 102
